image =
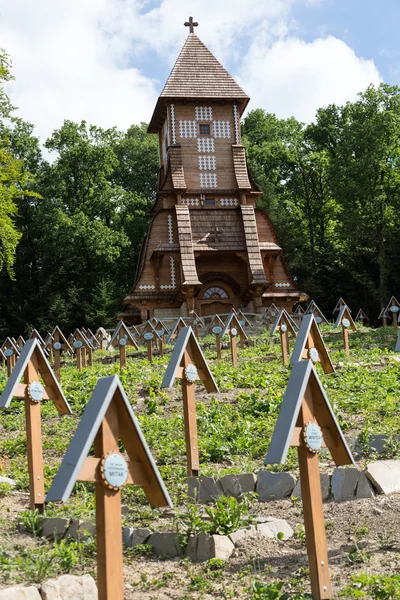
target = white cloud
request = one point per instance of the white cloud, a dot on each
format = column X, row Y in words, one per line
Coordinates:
column 295, row 78
column 78, row 59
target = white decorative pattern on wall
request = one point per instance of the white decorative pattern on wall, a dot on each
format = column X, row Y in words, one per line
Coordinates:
column 187, row 129
column 173, row 124
column 205, row 145
column 222, row 129
column 208, row 180
column 204, row 113
column 282, row 285
column 228, row 202
column 147, row 287
column 207, row 163
column 171, row 286
column 236, row 122
column 170, row 230
column 191, row 201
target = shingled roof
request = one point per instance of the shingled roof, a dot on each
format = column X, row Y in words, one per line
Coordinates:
column 197, row 74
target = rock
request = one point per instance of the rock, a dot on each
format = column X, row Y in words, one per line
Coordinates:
column 221, row 547
column 127, row 536
column 385, row 475
column 274, row 526
column 271, row 486
column 69, row 587
column 247, row 482
column 124, row 509
column 165, row 543
column 344, row 483
column 8, row 480
column 80, row 530
column 364, row 488
column 191, row 548
column 325, row 487
column 203, row 550
column 230, row 485
column 204, row 489
column 241, row 534
column 20, row 593
column 54, row 527
column 140, row 536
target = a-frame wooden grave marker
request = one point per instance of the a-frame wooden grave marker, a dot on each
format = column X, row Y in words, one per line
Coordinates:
column 285, row 325
column 59, row 344
column 48, row 346
column 121, row 338
column 306, row 421
column 310, row 344
column 383, row 315
column 11, row 353
column 345, row 320
column 188, row 364
column 20, row 343
column 339, row 305
column 149, row 336
column 81, row 345
column 177, row 326
column 233, row 325
column 32, row 365
column 270, row 314
column 108, row 418
column 102, row 338
column 87, row 354
column 36, row 335
column 319, row 316
column 216, row 327
column 394, row 307
column 195, row 322
column 361, row 317
column 3, row 359
column 94, row 344
column 298, row 314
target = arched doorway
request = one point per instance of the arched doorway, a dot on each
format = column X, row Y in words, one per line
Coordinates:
column 214, row 300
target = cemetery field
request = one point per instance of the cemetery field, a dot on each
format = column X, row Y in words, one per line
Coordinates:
column 235, row 426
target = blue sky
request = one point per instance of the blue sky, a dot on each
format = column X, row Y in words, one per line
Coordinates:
column 106, row 61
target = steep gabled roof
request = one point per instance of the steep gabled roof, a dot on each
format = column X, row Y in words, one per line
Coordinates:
column 197, row 75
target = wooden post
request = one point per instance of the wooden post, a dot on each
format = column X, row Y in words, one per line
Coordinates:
column 90, row 356
column 218, row 345
column 161, row 345
column 284, row 344
column 313, row 511
column 189, row 415
column 79, row 359
column 241, row 341
column 34, row 441
column 233, row 349
column 150, row 350
column 9, row 365
column 345, row 333
column 83, row 357
column 110, row 581
column 122, row 357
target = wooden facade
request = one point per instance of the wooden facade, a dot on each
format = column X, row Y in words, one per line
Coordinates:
column 208, row 248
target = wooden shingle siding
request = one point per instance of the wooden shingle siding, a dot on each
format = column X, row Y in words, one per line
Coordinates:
column 186, row 244
column 253, row 248
column 240, row 167
column 177, row 173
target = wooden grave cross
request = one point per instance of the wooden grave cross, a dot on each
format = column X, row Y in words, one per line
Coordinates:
column 195, row 322
column 121, row 338
column 32, row 365
column 20, row 343
column 93, row 343
column 215, row 320
column 361, row 316
column 177, row 326
column 59, row 343
column 149, row 336
column 393, row 307
column 312, row 308
column 108, row 418
column 188, row 364
column 384, row 316
column 285, row 325
column 298, row 313
column 310, row 344
column 346, row 321
column 81, row 345
column 36, row 335
column 48, row 346
column 306, row 421
column 87, row 354
column 234, row 326
column 11, row 353
column 339, row 305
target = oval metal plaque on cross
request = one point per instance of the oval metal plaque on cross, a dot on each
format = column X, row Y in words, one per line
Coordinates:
column 114, row 471
column 313, row 355
column 77, row 344
column 35, row 391
column 195, row 322
column 234, row 331
column 148, row 336
column 122, row 341
column 217, row 330
column 345, row 323
column 57, row 346
column 8, row 352
column 284, row 327
column 394, row 309
column 190, row 373
column 161, row 332
column 313, row 437
column 241, row 323
column 273, row 313
column 318, row 320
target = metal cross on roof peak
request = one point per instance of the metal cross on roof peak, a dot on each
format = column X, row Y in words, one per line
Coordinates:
column 191, row 24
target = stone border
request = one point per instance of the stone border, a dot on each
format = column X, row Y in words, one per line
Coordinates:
column 67, row 587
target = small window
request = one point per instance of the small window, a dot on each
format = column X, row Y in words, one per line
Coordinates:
column 209, row 202
column 215, row 293
column 204, row 130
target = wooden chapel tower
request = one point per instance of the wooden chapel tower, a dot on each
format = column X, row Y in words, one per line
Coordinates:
column 208, row 248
